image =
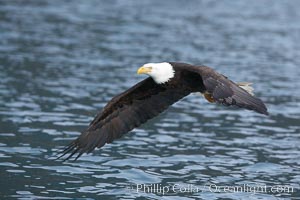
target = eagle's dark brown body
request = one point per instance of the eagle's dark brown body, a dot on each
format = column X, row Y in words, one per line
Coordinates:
column 147, row 99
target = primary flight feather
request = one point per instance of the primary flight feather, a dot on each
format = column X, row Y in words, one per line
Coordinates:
column 168, row 83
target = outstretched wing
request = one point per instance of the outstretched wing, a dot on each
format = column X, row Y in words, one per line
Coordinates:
column 124, row 112
column 227, row 92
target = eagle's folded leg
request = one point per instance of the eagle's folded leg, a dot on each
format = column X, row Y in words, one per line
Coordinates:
column 208, row 97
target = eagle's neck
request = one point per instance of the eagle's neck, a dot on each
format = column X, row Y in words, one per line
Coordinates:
column 162, row 72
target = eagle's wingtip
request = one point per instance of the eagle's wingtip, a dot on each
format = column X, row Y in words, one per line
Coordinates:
column 266, row 113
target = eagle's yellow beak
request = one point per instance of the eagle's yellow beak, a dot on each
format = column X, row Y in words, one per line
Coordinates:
column 144, row 70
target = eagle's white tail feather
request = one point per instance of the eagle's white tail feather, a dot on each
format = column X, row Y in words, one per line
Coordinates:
column 246, row 86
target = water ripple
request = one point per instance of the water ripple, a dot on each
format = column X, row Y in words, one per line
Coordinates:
column 59, row 65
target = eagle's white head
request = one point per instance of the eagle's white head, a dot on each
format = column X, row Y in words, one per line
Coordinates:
column 160, row 72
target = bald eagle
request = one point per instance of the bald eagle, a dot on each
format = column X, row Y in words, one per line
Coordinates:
column 167, row 83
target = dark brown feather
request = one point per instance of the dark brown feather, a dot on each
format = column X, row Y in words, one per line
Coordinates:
column 227, row 92
column 147, row 99
column 123, row 113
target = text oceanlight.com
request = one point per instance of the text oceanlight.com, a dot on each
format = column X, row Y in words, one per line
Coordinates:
column 190, row 188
